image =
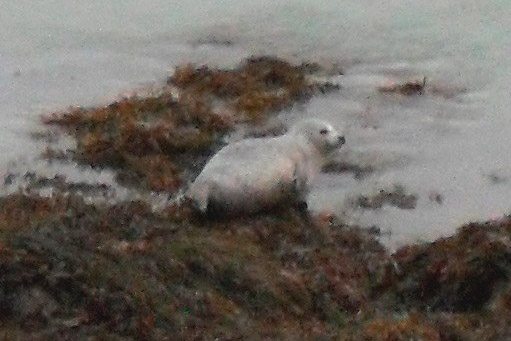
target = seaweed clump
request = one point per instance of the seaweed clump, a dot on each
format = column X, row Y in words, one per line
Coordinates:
column 460, row 273
column 456, row 288
column 407, row 89
column 159, row 141
column 148, row 140
column 419, row 88
column 260, row 85
column 72, row 269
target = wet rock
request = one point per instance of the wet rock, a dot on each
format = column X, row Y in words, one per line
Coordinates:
column 436, row 198
column 213, row 40
column 496, row 178
column 359, row 172
column 407, row 88
column 396, row 197
column 9, row 179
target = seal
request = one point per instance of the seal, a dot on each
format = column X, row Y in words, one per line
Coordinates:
column 259, row 173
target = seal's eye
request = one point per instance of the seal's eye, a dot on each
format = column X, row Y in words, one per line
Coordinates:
column 323, row 131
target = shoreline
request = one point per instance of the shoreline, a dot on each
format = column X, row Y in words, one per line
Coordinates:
column 121, row 269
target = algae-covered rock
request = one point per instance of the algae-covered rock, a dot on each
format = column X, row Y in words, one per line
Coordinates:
column 78, row 269
column 458, row 273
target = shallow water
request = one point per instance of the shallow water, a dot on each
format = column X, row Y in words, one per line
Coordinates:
column 59, row 53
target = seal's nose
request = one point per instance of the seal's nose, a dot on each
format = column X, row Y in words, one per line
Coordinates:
column 342, row 140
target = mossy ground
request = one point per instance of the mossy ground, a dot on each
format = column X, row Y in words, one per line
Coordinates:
column 71, row 269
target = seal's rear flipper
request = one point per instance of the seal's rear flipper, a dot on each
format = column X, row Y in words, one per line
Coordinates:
column 199, row 195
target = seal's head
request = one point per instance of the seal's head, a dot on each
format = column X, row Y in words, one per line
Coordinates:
column 320, row 134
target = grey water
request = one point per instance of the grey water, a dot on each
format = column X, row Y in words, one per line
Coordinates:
column 60, row 53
